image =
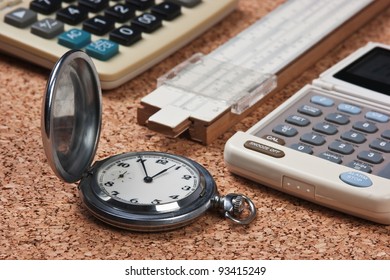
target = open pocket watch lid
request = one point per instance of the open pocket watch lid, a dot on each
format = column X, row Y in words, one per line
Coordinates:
column 71, row 115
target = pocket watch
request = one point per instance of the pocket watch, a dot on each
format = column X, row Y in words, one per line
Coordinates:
column 140, row 191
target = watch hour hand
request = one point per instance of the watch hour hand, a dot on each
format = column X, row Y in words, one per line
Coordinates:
column 143, row 166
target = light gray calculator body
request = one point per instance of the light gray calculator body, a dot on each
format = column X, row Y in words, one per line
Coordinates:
column 330, row 142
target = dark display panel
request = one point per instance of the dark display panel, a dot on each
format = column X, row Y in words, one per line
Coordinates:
column 371, row 71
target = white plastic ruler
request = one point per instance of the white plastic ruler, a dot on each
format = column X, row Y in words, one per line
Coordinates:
column 266, row 47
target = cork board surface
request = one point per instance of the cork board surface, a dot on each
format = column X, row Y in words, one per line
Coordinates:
column 42, row 217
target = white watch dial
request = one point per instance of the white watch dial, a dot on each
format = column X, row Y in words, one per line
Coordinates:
column 148, row 179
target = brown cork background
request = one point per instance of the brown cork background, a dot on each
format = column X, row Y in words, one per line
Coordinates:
column 42, row 217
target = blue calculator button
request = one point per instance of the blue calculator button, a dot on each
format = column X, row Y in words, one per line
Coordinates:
column 379, row 117
column 74, row 38
column 356, row 179
column 102, row 49
column 348, row 108
column 322, row 100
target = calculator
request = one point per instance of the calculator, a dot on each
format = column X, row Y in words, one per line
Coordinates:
column 124, row 37
column 330, row 142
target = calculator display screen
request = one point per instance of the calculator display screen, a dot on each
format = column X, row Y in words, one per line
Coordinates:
column 371, row 71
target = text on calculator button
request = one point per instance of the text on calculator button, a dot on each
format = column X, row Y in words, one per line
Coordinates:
column 47, row 28
column 302, row 148
column 285, row 130
column 298, row 120
column 166, row 10
column 21, row 17
column 361, row 166
column 310, row 111
column 337, row 118
column 380, row 145
column 379, row 117
column 325, row 128
column 313, row 139
column 264, row 149
column 120, row 13
column 342, row 148
column 331, row 157
column 356, row 179
column 322, row 100
column 353, row 137
column 274, row 139
column 102, row 49
column 74, row 38
column 371, row 157
column 365, row 127
column 72, row 15
column 348, row 108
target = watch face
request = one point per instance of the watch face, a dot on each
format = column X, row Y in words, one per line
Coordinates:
column 153, row 179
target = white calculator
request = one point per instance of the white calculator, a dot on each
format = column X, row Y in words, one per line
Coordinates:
column 330, row 142
column 124, row 37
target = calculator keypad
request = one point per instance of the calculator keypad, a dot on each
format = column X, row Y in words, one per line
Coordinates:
column 348, row 133
column 119, row 22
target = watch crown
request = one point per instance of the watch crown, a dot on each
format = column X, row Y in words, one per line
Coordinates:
column 236, row 207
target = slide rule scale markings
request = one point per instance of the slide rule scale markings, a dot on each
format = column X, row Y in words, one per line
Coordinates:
column 281, row 36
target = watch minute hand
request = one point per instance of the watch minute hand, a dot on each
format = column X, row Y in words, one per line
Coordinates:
column 163, row 171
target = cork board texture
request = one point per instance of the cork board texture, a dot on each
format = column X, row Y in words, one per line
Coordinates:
column 42, row 217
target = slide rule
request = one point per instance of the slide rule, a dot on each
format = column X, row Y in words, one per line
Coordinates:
column 208, row 94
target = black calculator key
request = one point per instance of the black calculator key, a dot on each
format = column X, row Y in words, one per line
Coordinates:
column 147, row 22
column 120, row 13
column 302, row 148
column 342, row 148
column 337, row 118
column 167, row 10
column 285, row 130
column 310, row 111
column 94, row 6
column 361, row 166
column 72, row 15
column 99, row 25
column 371, row 157
column 125, row 35
column 365, row 127
column 381, row 145
column 313, row 139
column 45, row 7
column 298, row 120
column 386, row 134
column 21, row 17
column 354, row 137
column 142, row 5
column 325, row 128
column 187, row 3
column 331, row 157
